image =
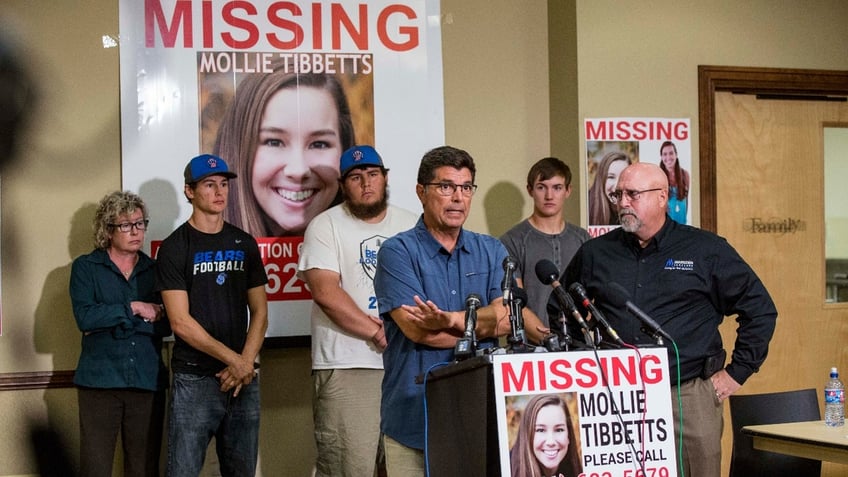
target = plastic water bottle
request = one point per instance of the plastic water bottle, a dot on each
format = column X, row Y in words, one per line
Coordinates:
column 834, row 400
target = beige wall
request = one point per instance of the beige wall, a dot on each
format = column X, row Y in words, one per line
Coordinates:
column 641, row 58
column 634, row 59
column 496, row 100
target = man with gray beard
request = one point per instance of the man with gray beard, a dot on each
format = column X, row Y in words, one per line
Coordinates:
column 687, row 280
column 337, row 262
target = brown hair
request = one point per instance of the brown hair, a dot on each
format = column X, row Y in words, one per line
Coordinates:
column 444, row 156
column 601, row 211
column 680, row 175
column 547, row 168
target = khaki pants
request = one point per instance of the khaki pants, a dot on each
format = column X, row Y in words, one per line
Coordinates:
column 402, row 461
column 346, row 412
column 703, row 421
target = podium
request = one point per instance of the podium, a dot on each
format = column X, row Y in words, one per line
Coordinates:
column 462, row 437
column 618, row 405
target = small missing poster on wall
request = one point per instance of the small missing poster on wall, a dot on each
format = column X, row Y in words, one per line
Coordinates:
column 612, row 144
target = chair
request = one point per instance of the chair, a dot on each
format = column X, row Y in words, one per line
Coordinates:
column 771, row 408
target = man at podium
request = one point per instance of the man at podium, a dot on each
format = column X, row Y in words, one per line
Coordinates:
column 423, row 278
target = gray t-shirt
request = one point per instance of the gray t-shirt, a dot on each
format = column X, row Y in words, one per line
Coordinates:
column 528, row 245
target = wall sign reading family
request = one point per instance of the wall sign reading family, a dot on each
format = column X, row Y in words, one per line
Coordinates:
column 556, row 414
column 279, row 90
column 614, row 143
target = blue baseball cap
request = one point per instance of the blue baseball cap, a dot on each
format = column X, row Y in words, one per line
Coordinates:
column 359, row 156
column 205, row 165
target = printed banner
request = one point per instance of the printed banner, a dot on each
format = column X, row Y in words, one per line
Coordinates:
column 572, row 414
column 614, row 143
column 279, row 90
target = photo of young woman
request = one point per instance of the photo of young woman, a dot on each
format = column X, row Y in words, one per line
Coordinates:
column 601, row 210
column 546, row 443
column 283, row 134
column 678, row 182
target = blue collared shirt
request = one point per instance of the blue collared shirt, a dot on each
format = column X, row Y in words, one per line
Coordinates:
column 414, row 263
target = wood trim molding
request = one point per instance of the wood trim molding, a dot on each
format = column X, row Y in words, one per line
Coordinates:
column 65, row 379
column 748, row 80
column 287, row 342
column 36, row 380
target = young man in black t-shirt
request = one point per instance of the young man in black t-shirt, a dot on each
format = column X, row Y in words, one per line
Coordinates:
column 211, row 275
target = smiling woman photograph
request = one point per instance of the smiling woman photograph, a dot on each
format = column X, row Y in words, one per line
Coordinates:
column 601, row 210
column 283, row 133
column 678, row 182
column 546, row 444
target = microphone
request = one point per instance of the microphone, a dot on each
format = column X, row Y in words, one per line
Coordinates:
column 618, row 296
column 472, row 302
column 580, row 292
column 509, row 265
column 465, row 345
column 548, row 274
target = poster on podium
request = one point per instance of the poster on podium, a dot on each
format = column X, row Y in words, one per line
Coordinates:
column 582, row 414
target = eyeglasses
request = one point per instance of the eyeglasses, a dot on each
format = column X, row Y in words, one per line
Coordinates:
column 616, row 195
column 126, row 227
column 449, row 188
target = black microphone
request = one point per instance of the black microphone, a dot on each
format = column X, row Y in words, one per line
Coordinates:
column 580, row 292
column 465, row 345
column 548, row 274
column 618, row 296
column 509, row 265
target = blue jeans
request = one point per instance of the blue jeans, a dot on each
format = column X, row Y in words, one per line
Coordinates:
column 199, row 411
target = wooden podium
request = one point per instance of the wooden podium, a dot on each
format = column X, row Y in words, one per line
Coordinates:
column 462, row 435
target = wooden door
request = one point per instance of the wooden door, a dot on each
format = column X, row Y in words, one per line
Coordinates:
column 769, row 200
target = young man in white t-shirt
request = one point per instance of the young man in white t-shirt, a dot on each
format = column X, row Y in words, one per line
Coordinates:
column 337, row 262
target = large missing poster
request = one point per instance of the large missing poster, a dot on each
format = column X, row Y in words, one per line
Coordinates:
column 580, row 413
column 614, row 143
column 279, row 90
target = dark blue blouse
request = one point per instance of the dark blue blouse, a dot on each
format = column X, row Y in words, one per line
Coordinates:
column 119, row 350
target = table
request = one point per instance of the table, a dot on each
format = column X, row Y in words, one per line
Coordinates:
column 810, row 439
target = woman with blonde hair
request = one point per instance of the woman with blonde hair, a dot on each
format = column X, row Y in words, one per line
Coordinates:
column 120, row 378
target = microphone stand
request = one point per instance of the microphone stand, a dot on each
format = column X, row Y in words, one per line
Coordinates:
column 562, row 335
column 516, row 339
